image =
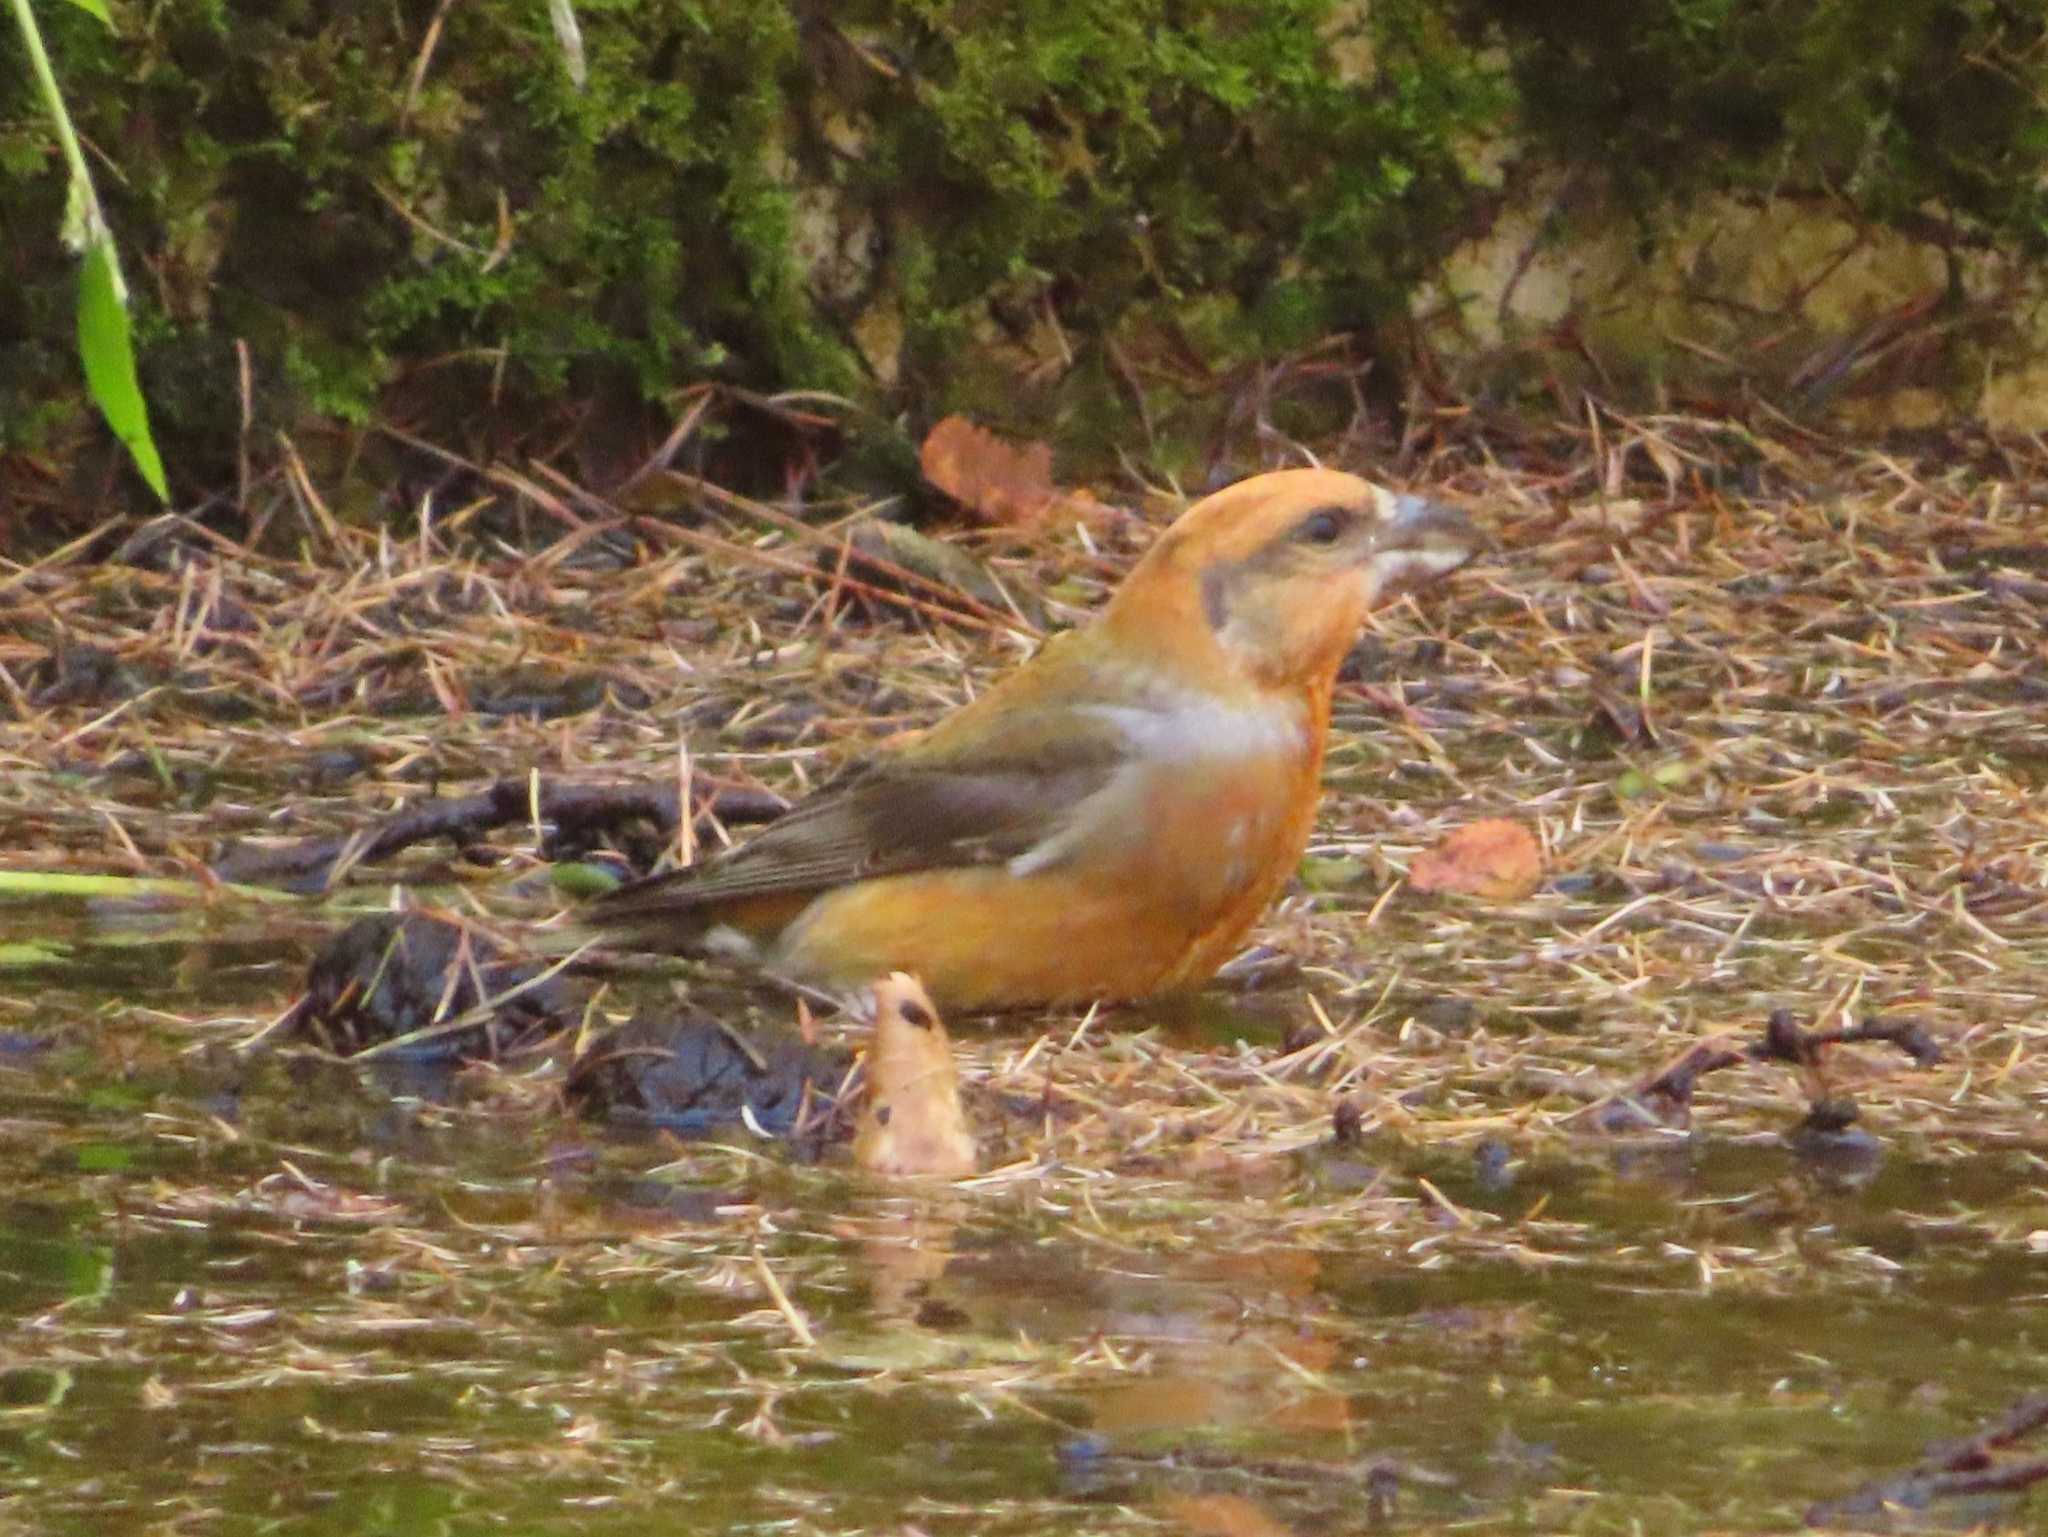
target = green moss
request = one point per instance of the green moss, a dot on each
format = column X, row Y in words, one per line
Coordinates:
column 464, row 234
column 1206, row 170
column 304, row 178
column 1894, row 110
column 347, row 226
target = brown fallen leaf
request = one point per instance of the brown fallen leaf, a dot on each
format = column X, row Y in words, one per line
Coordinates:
column 1496, row 858
column 912, row 1122
column 1000, row 482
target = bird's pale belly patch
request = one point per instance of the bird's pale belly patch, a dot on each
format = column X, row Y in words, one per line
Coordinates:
column 1202, row 851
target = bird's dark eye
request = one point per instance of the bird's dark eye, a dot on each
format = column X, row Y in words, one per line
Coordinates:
column 1324, row 527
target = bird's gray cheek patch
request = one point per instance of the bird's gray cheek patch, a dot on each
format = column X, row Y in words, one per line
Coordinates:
column 1219, row 584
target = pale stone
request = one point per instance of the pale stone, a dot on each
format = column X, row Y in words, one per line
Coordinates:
column 1786, row 291
column 833, row 244
column 878, row 332
column 1347, row 41
column 1897, row 410
column 2016, row 401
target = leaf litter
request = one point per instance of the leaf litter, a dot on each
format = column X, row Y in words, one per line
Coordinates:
column 1774, row 710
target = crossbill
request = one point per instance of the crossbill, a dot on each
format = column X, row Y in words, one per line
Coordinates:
column 1109, row 820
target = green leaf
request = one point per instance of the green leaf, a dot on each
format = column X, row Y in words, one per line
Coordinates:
column 109, row 358
column 97, row 8
column 19, row 953
column 89, row 1272
column 1671, row 774
column 579, row 878
column 1319, row 874
column 77, row 230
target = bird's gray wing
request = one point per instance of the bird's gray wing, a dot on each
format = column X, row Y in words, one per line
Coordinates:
column 987, row 803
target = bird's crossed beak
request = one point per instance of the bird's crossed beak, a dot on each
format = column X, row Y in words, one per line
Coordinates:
column 1423, row 541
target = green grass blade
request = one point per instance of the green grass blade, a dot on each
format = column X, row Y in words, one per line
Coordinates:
column 108, row 353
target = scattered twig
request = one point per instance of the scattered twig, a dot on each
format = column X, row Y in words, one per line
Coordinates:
column 578, row 813
column 1948, row 1470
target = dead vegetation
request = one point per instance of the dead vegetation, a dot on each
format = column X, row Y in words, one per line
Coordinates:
column 1775, row 710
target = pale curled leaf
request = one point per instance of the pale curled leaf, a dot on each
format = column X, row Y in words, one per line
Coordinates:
column 912, row 1122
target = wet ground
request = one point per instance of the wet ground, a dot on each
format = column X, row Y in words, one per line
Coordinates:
column 1783, row 756
column 287, row 1294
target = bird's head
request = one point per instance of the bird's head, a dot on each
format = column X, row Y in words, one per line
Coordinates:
column 1279, row 571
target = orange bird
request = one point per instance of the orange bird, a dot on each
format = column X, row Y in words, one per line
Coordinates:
column 1110, row 819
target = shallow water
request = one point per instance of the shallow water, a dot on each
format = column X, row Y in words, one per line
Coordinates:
column 288, row 1295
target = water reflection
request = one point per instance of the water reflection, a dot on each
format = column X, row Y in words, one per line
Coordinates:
column 241, row 1293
